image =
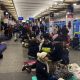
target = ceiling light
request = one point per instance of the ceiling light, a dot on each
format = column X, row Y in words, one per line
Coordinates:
column 23, row 21
column 74, row 4
column 6, row 13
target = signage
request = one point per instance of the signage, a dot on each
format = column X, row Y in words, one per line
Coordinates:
column 20, row 18
column 31, row 19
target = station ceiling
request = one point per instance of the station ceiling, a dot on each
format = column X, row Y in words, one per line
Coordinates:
column 32, row 8
column 9, row 6
column 35, row 8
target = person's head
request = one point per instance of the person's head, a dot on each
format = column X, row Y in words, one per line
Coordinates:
column 40, row 22
column 43, row 56
column 55, row 29
column 76, row 35
column 64, row 26
column 32, row 38
column 41, row 37
column 50, row 26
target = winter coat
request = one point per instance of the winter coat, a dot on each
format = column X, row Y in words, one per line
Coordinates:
column 57, row 52
column 33, row 48
column 41, row 71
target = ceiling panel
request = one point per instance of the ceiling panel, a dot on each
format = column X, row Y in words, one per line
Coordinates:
column 32, row 7
column 28, row 8
column 9, row 5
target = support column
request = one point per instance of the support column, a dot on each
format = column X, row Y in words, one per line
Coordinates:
column 51, row 19
column 51, row 23
column 69, row 20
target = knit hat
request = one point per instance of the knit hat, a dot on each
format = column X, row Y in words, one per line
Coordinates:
column 60, row 79
column 41, row 55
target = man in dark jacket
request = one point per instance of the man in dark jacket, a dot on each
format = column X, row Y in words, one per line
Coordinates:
column 33, row 47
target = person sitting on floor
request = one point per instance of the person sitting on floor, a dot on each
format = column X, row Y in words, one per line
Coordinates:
column 42, row 67
column 33, row 47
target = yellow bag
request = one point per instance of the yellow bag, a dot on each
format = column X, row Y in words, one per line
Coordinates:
column 46, row 49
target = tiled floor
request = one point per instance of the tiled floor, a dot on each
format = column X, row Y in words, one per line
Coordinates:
column 15, row 55
column 75, row 57
column 11, row 64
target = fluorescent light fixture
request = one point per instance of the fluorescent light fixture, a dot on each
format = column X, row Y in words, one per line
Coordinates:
column 57, row 0
column 6, row 13
column 74, row 4
column 23, row 21
column 53, row 9
column 69, row 0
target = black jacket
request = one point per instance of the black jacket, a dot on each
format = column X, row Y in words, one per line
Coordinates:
column 33, row 48
column 41, row 71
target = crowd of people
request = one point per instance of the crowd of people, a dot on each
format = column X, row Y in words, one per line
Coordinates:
column 45, row 47
column 48, row 47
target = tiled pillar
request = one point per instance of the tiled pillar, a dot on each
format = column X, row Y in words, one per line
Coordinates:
column 69, row 19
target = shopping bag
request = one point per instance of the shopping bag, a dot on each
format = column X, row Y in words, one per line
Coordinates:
column 30, row 62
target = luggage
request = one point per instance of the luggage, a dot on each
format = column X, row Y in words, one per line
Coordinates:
column 59, row 70
column 75, row 70
column 2, row 48
column 28, row 65
column 75, row 42
column 72, row 78
column 30, row 62
column 34, row 78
